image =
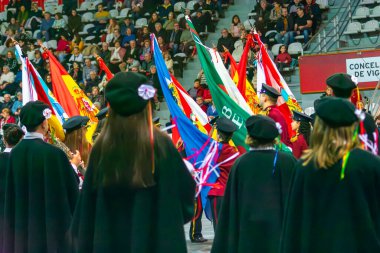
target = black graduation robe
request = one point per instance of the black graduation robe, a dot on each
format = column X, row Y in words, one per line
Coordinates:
column 252, row 210
column 40, row 198
column 4, row 158
column 150, row 220
column 326, row 214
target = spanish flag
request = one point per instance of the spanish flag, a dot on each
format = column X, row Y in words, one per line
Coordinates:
column 72, row 98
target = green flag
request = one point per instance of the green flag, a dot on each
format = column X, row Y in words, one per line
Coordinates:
column 224, row 104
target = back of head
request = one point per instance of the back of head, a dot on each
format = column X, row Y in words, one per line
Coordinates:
column 124, row 153
column 334, row 133
column 342, row 84
column 12, row 135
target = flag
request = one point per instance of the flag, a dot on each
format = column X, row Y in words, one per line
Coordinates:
column 34, row 88
column 71, row 96
column 224, row 104
column 104, row 67
column 201, row 150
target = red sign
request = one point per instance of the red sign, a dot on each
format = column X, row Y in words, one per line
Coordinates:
column 315, row 69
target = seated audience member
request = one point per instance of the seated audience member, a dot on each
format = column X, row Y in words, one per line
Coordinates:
column 283, row 59
column 93, row 81
column 117, row 56
column 6, row 80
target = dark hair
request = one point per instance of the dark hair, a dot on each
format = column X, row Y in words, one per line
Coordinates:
column 305, row 130
column 197, row 80
column 225, row 137
column 235, row 16
column 13, row 135
column 122, row 153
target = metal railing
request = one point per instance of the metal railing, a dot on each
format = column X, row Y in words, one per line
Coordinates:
column 328, row 38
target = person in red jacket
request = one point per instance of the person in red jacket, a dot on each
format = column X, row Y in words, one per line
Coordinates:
column 268, row 101
column 283, row 59
column 225, row 129
column 301, row 126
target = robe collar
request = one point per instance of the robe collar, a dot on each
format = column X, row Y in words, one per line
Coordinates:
column 33, row 135
column 7, row 150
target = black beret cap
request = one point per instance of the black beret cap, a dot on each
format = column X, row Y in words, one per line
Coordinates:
column 212, row 122
column 270, row 91
column 122, row 93
column 102, row 113
column 34, row 113
column 336, row 112
column 341, row 84
column 261, row 127
column 299, row 116
column 225, row 125
column 75, row 123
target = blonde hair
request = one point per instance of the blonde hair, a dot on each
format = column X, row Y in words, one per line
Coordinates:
column 328, row 145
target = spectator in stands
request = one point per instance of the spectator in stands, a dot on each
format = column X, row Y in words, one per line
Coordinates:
column 275, row 14
column 63, row 47
column 145, row 49
column 8, row 36
column 131, row 63
column 302, row 25
column 117, row 56
column 105, row 53
column 169, row 23
column 225, row 40
column 127, row 24
column 211, row 111
column 146, row 64
column 6, row 117
column 236, row 27
column 164, row 9
column 6, row 80
column 314, row 11
column 59, row 26
column 101, row 18
column 283, row 59
column 76, row 73
column 292, row 7
column 174, row 39
column 75, row 24
column 158, row 31
column 22, row 16
column 12, row 8
column 168, row 61
column 77, row 41
column 88, row 68
column 152, row 22
column 38, row 62
column 35, row 18
column 117, row 37
column 76, row 56
column 48, row 81
column 196, row 90
column 128, row 37
column 112, row 25
column 161, row 43
column 201, row 104
column 186, row 41
column 206, row 94
column 263, row 11
column 143, row 35
column 30, row 51
column 136, row 7
column 201, row 20
column 17, row 104
column 11, row 62
column 96, row 97
column 14, row 25
column 284, row 27
column 132, row 50
column 7, row 103
column 92, row 81
column 46, row 25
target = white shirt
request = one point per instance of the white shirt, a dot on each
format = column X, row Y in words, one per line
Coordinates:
column 7, row 150
column 33, row 135
column 8, row 78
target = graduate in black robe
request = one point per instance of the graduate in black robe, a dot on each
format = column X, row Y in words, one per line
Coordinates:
column 137, row 195
column 254, row 200
column 334, row 202
column 41, row 189
column 12, row 134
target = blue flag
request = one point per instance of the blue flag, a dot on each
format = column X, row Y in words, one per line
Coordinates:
column 201, row 150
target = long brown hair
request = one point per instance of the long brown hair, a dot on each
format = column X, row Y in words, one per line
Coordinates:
column 123, row 151
column 76, row 140
column 328, row 145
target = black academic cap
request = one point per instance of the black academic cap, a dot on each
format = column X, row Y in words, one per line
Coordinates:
column 212, row 122
column 341, row 84
column 299, row 116
column 102, row 113
column 270, row 91
column 34, row 113
column 336, row 112
column 261, row 127
column 75, row 123
column 225, row 125
column 128, row 93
